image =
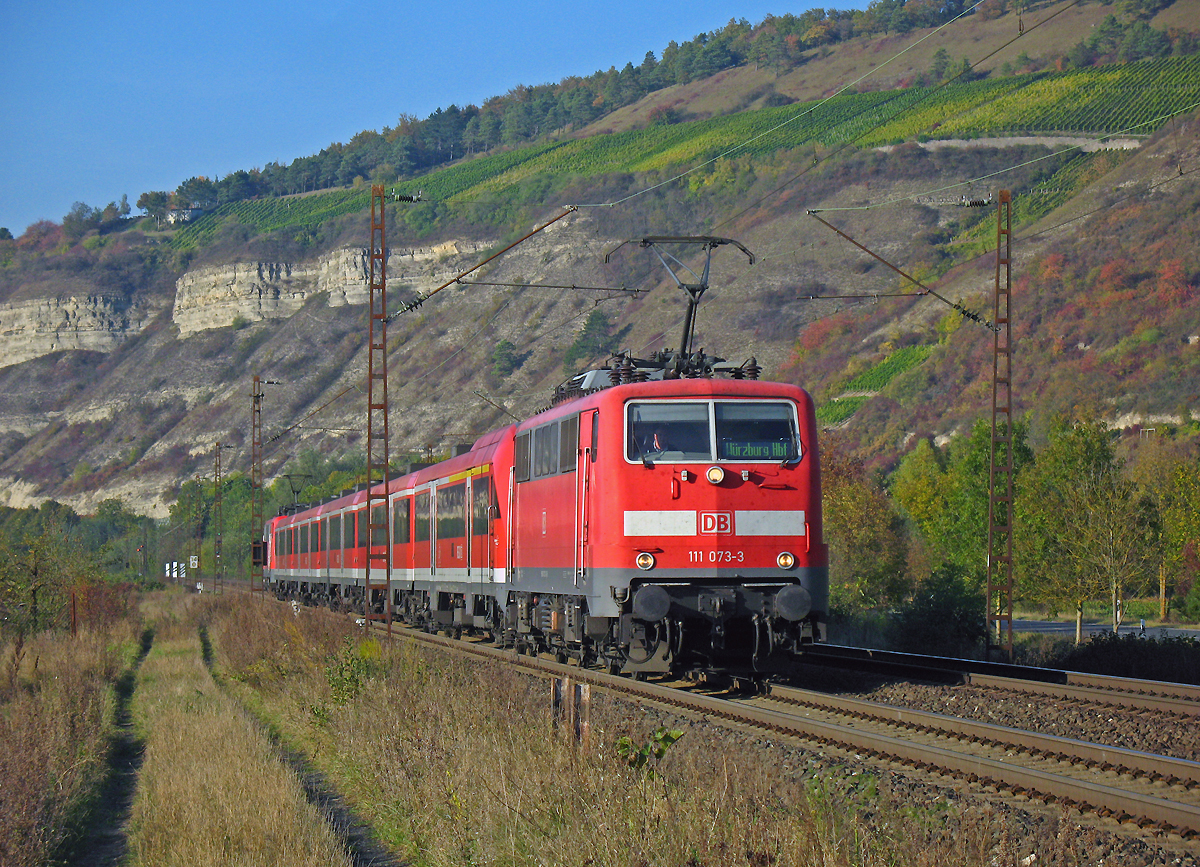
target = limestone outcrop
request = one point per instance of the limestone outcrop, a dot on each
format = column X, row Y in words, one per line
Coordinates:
column 30, row 329
column 217, row 296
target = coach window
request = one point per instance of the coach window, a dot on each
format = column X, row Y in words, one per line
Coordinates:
column 347, row 531
column 314, row 537
column 290, row 536
column 324, row 546
column 421, row 517
column 481, row 499
column 568, row 444
column 595, row 433
column 401, row 510
column 361, row 539
column 521, row 457
column 545, row 451
column 451, row 511
column 379, row 536
column 335, row 532
column 304, row 539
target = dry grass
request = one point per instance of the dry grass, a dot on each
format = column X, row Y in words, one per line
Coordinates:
column 211, row 789
column 56, row 720
column 456, row 762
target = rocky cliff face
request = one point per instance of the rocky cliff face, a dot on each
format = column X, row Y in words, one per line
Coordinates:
column 34, row 328
column 115, row 397
column 219, row 296
column 216, row 297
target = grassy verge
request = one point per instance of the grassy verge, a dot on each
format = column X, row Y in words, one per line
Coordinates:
column 211, row 789
column 57, row 700
column 456, row 762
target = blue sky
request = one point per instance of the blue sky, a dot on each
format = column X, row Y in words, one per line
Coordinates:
column 100, row 100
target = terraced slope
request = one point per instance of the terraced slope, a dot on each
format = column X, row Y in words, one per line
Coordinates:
column 1129, row 99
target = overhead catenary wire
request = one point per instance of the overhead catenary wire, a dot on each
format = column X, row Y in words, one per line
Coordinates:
column 964, row 312
column 421, row 299
column 1086, row 214
column 417, row 302
column 569, row 286
column 552, row 329
column 298, row 424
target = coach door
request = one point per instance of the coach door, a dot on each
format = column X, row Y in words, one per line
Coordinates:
column 480, row 565
column 589, row 423
column 323, row 548
column 423, row 543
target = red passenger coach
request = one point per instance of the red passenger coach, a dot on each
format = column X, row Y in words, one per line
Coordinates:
column 653, row 526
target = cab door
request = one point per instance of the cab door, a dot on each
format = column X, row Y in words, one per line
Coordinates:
column 589, row 424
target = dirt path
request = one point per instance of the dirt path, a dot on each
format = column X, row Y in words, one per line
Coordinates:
column 355, row 833
column 105, row 842
column 1085, row 144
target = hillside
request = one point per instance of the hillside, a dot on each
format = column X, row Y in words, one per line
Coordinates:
column 130, row 353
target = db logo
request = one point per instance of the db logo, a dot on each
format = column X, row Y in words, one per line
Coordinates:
column 716, row 522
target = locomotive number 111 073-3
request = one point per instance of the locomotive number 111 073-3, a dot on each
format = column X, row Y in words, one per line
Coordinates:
column 716, row 556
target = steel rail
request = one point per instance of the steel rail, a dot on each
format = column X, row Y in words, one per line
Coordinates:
column 1119, row 759
column 1082, row 794
column 1179, row 698
column 1135, row 685
column 1092, row 693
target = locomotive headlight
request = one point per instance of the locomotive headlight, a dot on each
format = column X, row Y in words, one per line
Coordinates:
column 786, row 560
column 716, row 475
column 645, row 561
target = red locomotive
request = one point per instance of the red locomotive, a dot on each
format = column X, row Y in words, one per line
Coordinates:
column 648, row 526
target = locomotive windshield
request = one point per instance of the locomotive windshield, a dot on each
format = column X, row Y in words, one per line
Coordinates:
column 711, row 431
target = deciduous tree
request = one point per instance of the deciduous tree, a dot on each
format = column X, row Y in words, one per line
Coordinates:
column 35, row 580
column 945, row 493
column 154, row 203
column 867, row 547
column 81, row 219
column 1083, row 531
column 196, row 193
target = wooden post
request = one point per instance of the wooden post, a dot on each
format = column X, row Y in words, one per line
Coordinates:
column 560, row 701
column 583, row 715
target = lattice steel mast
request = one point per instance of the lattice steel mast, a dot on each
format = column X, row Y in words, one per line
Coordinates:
column 218, row 524
column 1000, row 477
column 257, row 549
column 378, row 579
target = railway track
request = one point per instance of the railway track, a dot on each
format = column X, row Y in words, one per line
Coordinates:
column 1125, row 784
column 1176, row 698
column 1145, row 789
